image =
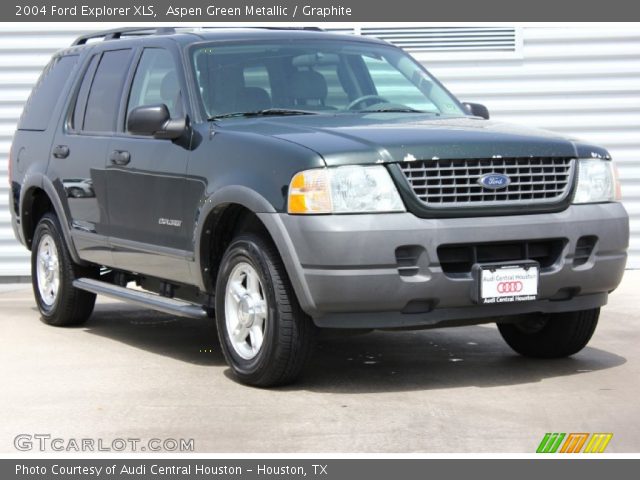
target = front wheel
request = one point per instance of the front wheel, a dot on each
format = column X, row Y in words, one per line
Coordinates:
column 265, row 336
column 552, row 335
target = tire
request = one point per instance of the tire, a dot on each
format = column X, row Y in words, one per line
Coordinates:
column 62, row 304
column 551, row 336
column 254, row 296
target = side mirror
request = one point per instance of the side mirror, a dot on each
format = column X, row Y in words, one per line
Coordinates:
column 477, row 110
column 155, row 120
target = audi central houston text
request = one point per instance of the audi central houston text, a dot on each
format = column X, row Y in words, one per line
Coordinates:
column 283, row 181
column 154, row 469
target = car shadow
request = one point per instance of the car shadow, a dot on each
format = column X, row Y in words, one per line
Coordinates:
column 435, row 359
column 360, row 363
column 183, row 339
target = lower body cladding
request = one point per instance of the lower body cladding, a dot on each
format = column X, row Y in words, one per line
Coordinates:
column 401, row 271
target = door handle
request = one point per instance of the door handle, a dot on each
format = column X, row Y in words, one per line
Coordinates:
column 60, row 151
column 120, row 157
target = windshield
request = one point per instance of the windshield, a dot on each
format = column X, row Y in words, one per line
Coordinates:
column 314, row 77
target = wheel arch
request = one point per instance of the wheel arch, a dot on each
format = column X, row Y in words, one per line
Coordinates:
column 39, row 196
column 222, row 215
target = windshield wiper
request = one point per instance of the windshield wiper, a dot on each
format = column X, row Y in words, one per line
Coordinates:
column 264, row 113
column 396, row 110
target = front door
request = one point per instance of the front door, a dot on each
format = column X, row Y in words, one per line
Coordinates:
column 146, row 180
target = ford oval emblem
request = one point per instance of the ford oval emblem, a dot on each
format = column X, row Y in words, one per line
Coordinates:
column 494, row 181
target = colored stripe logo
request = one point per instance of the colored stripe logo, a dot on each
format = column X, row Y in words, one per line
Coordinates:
column 573, row 443
column 598, row 442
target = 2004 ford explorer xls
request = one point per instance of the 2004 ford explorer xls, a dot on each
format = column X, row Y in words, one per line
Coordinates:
column 285, row 180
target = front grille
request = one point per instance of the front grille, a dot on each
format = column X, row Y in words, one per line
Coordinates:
column 458, row 260
column 455, row 183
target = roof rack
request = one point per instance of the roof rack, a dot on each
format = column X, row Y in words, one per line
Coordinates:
column 312, row 29
column 119, row 32
column 140, row 31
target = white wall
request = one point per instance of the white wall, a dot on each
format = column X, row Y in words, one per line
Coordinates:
column 579, row 81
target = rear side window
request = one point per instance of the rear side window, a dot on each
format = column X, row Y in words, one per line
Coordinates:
column 106, row 90
column 77, row 119
column 44, row 96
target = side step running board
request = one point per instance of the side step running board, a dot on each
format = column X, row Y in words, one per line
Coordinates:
column 142, row 299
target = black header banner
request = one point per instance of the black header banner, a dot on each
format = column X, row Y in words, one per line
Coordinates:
column 314, row 11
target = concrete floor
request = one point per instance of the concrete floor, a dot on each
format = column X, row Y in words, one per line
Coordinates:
column 131, row 373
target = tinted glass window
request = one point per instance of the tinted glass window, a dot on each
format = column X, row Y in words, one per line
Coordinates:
column 257, row 76
column 156, row 82
column 336, row 94
column 106, row 91
column 390, row 83
column 37, row 112
column 323, row 76
column 81, row 101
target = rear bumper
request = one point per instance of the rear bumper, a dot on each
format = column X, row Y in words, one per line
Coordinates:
column 346, row 270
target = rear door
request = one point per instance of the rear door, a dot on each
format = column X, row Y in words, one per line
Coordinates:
column 80, row 146
column 146, row 178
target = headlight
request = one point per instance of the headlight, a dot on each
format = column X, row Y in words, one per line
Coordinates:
column 348, row 189
column 597, row 182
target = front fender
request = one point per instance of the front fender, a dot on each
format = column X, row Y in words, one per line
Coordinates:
column 232, row 194
column 270, row 218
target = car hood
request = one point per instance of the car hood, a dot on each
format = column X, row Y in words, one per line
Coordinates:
column 344, row 139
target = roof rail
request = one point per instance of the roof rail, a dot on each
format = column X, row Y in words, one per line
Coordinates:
column 135, row 31
column 312, row 29
column 119, row 32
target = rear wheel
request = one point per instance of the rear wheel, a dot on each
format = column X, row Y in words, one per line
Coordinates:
column 265, row 336
column 52, row 275
column 551, row 336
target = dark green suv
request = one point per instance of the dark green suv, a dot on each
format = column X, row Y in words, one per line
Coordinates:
column 286, row 180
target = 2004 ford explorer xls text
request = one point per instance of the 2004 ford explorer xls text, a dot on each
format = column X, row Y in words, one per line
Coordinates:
column 286, row 180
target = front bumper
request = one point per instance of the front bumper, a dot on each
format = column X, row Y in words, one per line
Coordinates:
column 346, row 272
